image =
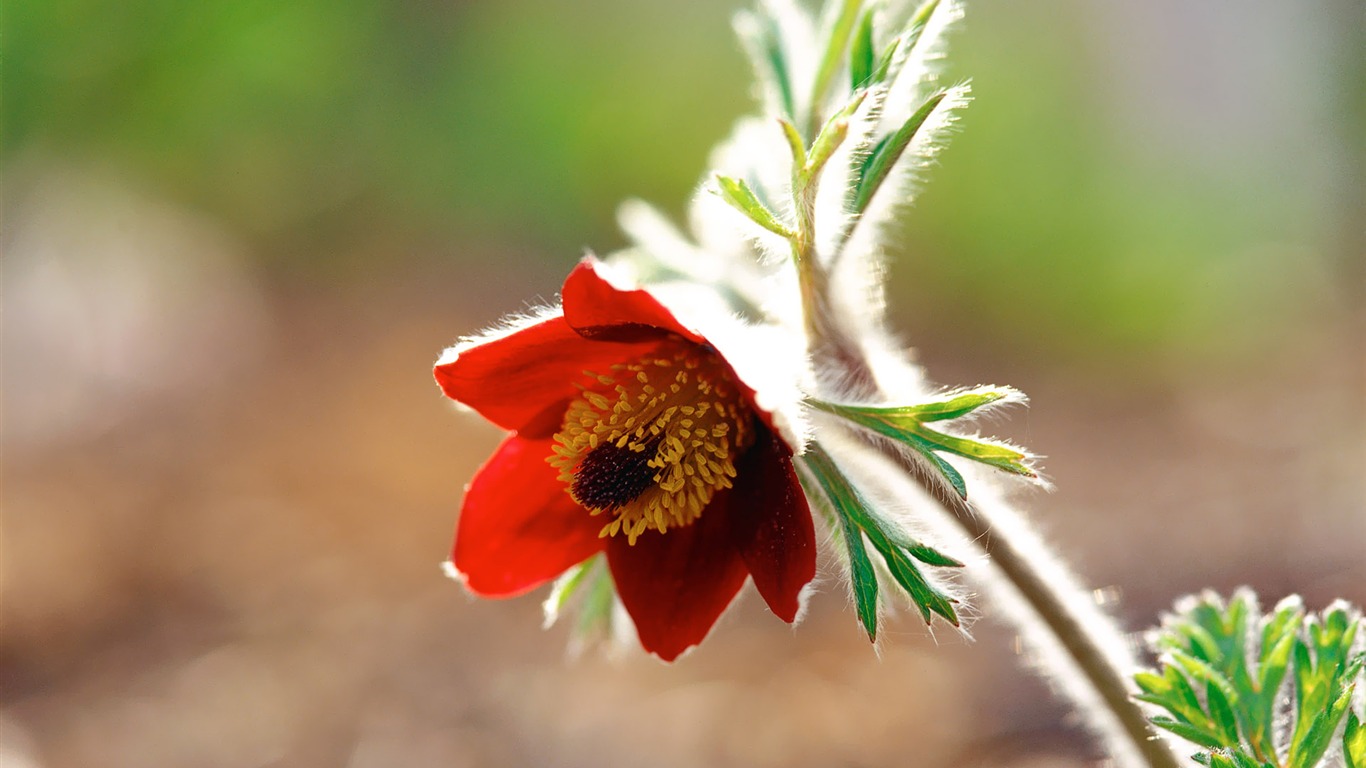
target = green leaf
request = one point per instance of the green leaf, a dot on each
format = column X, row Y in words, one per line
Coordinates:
column 838, row 39
column 1278, row 641
column 1243, row 685
column 1308, row 691
column 1185, row 704
column 1199, row 669
column 1221, row 712
column 1354, row 741
column 762, row 41
column 906, row 424
column 879, row 163
column 884, row 61
column 564, row 590
column 954, row 406
column 1203, row 644
column 1151, row 683
column 900, row 46
column 926, row 597
column 994, row 454
column 861, row 59
column 595, row 615
column 837, row 496
column 861, row 575
column 931, row 556
column 955, row 478
column 1305, row 752
column 1221, row 760
column 832, row 135
column 1229, row 758
column 794, row 142
column 961, row 405
column 740, row 197
column 1188, row 732
column 895, row 546
column 918, row 20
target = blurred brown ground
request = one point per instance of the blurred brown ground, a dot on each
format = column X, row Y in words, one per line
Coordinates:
column 230, row 557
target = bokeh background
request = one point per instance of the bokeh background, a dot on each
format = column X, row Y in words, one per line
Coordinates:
column 237, row 233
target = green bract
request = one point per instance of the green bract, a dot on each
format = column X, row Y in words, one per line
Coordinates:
column 857, row 519
column 906, row 425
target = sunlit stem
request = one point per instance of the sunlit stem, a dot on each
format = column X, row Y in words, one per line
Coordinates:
column 812, row 277
column 1083, row 641
column 1079, row 638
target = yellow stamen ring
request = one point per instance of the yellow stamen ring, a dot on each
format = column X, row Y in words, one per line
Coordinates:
column 653, row 440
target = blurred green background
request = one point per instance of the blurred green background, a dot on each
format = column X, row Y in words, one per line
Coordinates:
column 1129, row 178
column 237, row 233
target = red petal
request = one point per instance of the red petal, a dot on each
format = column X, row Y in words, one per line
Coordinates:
column 676, row 584
column 599, row 310
column 511, row 380
column 771, row 525
column 518, row 527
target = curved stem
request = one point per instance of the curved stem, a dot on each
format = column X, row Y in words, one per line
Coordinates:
column 1080, row 639
column 1052, row 608
column 831, row 342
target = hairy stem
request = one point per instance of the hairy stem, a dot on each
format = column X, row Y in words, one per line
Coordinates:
column 1079, row 638
column 1083, row 641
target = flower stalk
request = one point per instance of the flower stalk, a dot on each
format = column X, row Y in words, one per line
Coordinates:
column 832, row 347
column 1077, row 636
column 660, row 455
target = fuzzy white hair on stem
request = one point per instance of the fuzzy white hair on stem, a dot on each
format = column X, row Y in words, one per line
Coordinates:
column 834, row 219
column 858, row 273
column 921, row 64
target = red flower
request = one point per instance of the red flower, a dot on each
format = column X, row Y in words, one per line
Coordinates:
column 632, row 436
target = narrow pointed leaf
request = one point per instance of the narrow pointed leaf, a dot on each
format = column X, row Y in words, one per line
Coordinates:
column 995, row 454
column 890, row 541
column 918, row 20
column 740, row 197
column 842, row 502
column 884, row 61
column 954, row 407
column 946, row 469
column 832, row 135
column 879, row 163
column 1306, row 751
column 905, row 424
column 1354, row 741
column 861, row 575
column 1221, row 712
column 926, row 598
column 961, row 405
column 840, row 28
column 1188, row 732
column 931, row 556
column 1151, row 683
column 794, row 143
column 861, row 56
column 762, row 41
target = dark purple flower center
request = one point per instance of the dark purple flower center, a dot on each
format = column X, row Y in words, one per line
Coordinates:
column 609, row 477
column 653, row 439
